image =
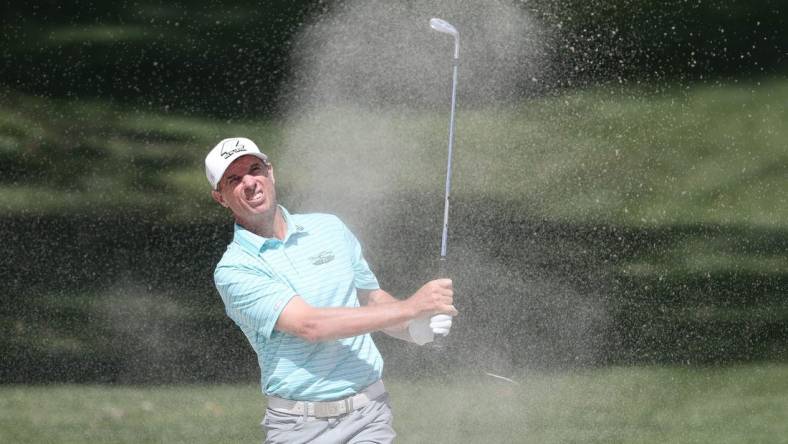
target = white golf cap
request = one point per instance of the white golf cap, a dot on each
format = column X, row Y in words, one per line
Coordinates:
column 224, row 153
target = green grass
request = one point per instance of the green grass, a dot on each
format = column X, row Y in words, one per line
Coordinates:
column 701, row 155
column 614, row 405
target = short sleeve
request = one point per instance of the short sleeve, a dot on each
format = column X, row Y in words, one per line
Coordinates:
column 251, row 298
column 363, row 276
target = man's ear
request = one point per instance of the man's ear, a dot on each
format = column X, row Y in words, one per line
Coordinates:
column 217, row 196
column 271, row 172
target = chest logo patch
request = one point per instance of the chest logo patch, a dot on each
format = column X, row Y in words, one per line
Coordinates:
column 324, row 257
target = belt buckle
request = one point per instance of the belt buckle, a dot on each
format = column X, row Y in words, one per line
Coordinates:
column 332, row 409
column 327, row 409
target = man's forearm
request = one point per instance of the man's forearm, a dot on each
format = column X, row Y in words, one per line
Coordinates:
column 322, row 324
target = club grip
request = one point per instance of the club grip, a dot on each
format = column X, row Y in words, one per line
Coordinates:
column 443, row 272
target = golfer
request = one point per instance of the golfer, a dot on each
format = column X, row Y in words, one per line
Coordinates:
column 299, row 288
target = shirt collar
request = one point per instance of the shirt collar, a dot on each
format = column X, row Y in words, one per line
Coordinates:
column 254, row 243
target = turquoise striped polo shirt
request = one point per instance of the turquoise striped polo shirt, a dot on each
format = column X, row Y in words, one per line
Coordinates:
column 321, row 261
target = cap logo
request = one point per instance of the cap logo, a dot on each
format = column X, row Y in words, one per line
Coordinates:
column 226, row 151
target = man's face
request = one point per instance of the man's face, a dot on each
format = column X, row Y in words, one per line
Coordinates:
column 247, row 188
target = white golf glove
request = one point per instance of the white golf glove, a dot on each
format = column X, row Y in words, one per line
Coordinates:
column 423, row 330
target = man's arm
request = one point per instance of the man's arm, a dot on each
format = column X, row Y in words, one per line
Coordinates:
column 386, row 313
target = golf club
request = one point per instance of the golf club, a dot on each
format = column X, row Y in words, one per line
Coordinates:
column 445, row 27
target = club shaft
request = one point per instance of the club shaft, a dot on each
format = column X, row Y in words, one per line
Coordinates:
column 445, row 235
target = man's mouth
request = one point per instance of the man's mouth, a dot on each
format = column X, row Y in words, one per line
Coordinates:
column 256, row 198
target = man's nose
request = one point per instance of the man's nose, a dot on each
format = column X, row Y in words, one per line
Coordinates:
column 248, row 180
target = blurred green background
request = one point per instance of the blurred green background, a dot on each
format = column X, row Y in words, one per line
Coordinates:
column 631, row 210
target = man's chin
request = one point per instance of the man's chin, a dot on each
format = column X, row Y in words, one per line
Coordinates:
column 263, row 207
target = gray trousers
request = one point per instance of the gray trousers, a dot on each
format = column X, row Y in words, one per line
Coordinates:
column 369, row 424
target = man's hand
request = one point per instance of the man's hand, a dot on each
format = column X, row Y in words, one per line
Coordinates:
column 434, row 301
column 440, row 324
column 433, row 298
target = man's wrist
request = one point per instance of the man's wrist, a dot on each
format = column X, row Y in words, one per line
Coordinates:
column 409, row 309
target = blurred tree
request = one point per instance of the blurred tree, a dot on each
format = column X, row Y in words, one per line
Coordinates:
column 230, row 58
column 672, row 40
column 218, row 58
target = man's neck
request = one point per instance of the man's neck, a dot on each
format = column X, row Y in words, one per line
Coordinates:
column 270, row 225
